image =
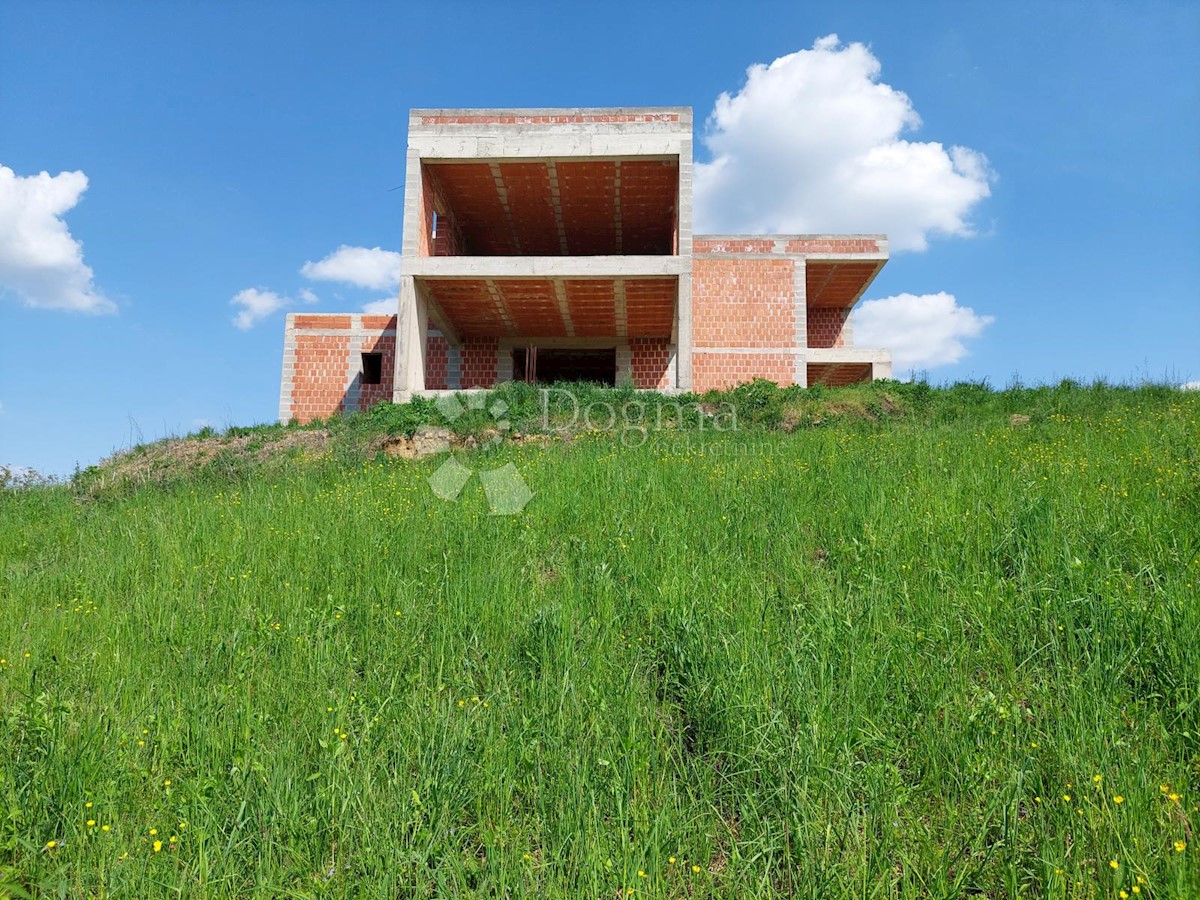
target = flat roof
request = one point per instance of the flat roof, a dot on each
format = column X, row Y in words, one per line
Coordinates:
column 681, row 111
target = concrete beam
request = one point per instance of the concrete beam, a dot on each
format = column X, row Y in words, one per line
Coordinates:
column 564, row 307
column 547, row 266
column 437, row 315
column 838, row 355
column 434, row 147
column 556, row 200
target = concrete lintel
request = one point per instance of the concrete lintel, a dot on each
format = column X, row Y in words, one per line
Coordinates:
column 840, row 257
column 576, row 145
column 838, row 355
column 878, row 238
column 684, row 112
column 548, row 160
column 547, row 266
column 558, row 342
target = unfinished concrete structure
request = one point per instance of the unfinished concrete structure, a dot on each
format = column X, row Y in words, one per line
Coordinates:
column 556, row 244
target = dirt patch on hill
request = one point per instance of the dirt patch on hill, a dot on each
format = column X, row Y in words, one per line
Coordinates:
column 173, row 458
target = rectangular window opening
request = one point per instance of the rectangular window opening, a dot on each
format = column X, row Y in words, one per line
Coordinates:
column 546, row 365
column 372, row 368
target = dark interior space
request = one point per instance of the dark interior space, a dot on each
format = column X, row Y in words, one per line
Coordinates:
column 372, row 368
column 551, row 365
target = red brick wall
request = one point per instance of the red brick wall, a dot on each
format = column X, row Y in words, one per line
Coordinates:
column 733, row 245
column 725, row 370
column 827, row 327
column 324, row 351
column 370, row 394
column 838, row 375
column 319, row 377
column 746, row 303
column 479, row 362
column 650, row 360
column 437, row 363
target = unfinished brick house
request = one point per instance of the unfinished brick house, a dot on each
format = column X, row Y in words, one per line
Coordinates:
column 556, row 244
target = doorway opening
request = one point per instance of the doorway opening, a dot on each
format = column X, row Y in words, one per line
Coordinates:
column 545, row 365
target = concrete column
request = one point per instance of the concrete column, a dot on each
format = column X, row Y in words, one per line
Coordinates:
column 504, row 362
column 412, row 329
column 683, row 314
column 881, row 370
column 624, row 365
column 287, row 384
column 800, row 317
column 683, row 334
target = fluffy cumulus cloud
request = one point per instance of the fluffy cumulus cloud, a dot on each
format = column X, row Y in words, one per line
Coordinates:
column 364, row 267
column 1190, row 386
column 922, row 331
column 387, row 306
column 40, row 262
column 257, row 304
column 814, row 143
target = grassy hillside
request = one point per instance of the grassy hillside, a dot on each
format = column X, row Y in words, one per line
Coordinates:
column 886, row 642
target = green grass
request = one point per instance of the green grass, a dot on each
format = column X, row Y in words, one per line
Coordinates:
column 868, row 658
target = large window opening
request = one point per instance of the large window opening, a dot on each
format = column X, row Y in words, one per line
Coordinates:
column 544, row 365
column 552, row 207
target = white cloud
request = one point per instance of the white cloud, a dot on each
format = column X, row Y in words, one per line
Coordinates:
column 256, row 305
column 363, row 267
column 388, row 306
column 39, row 260
column 1190, row 386
column 922, row 331
column 812, row 144
column 307, row 296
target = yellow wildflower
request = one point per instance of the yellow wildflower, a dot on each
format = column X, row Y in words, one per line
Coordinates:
column 157, row 846
column 1113, row 864
column 1117, row 798
column 1180, row 846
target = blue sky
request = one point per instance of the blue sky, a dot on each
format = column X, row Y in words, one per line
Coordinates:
column 226, row 145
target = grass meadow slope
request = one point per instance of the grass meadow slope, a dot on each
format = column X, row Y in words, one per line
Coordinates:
column 887, row 642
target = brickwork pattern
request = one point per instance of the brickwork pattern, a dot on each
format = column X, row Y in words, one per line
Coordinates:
column 323, row 364
column 437, row 364
column 827, row 327
column 650, row 361
column 838, row 374
column 717, row 371
column 479, row 362
column 319, row 379
column 743, row 303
